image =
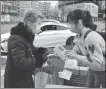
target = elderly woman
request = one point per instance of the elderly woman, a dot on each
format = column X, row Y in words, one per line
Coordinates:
column 20, row 59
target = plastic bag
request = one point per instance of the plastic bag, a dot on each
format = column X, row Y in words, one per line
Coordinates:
column 41, row 79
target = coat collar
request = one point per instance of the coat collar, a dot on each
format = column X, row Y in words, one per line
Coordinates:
column 21, row 30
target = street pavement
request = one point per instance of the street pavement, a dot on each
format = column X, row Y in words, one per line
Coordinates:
column 3, row 63
column 2, row 75
column 6, row 28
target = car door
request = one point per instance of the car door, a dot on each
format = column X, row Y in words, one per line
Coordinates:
column 62, row 34
column 46, row 38
column 52, row 35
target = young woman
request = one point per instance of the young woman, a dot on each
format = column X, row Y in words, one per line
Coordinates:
column 89, row 50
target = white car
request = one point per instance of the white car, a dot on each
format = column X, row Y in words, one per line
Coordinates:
column 50, row 20
column 53, row 33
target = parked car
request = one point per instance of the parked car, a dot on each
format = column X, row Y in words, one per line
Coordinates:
column 50, row 20
column 4, row 41
column 53, row 33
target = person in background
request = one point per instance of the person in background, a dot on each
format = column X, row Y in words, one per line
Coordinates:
column 21, row 59
column 94, row 26
column 89, row 50
column 70, row 42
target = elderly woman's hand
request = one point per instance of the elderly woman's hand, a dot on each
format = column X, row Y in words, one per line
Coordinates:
column 44, row 58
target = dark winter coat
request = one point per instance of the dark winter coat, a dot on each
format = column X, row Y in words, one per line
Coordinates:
column 20, row 63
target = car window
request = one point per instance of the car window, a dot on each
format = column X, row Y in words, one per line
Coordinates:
column 61, row 27
column 48, row 28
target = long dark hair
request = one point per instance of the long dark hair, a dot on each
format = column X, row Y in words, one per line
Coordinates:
column 85, row 16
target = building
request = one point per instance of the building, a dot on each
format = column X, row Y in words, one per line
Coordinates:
column 102, row 9
column 8, row 11
column 36, row 5
column 42, row 6
column 45, row 8
column 66, row 6
column 23, row 6
column 62, row 11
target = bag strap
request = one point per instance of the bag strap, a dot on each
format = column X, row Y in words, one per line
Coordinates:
column 87, row 33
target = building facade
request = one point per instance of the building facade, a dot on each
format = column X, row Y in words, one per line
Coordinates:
column 67, row 6
column 23, row 6
column 45, row 9
column 8, row 11
column 102, row 10
column 36, row 5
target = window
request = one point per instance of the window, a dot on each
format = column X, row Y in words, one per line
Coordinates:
column 48, row 27
column 53, row 28
column 61, row 27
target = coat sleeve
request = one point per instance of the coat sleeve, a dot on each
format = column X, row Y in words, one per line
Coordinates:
column 76, row 49
column 95, row 54
column 20, row 59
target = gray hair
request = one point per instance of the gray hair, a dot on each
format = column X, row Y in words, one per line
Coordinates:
column 32, row 16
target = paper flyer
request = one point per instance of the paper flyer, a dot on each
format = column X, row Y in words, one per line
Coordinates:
column 69, row 63
column 65, row 74
column 60, row 50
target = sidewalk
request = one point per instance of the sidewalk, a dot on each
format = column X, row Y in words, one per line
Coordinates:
column 2, row 76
